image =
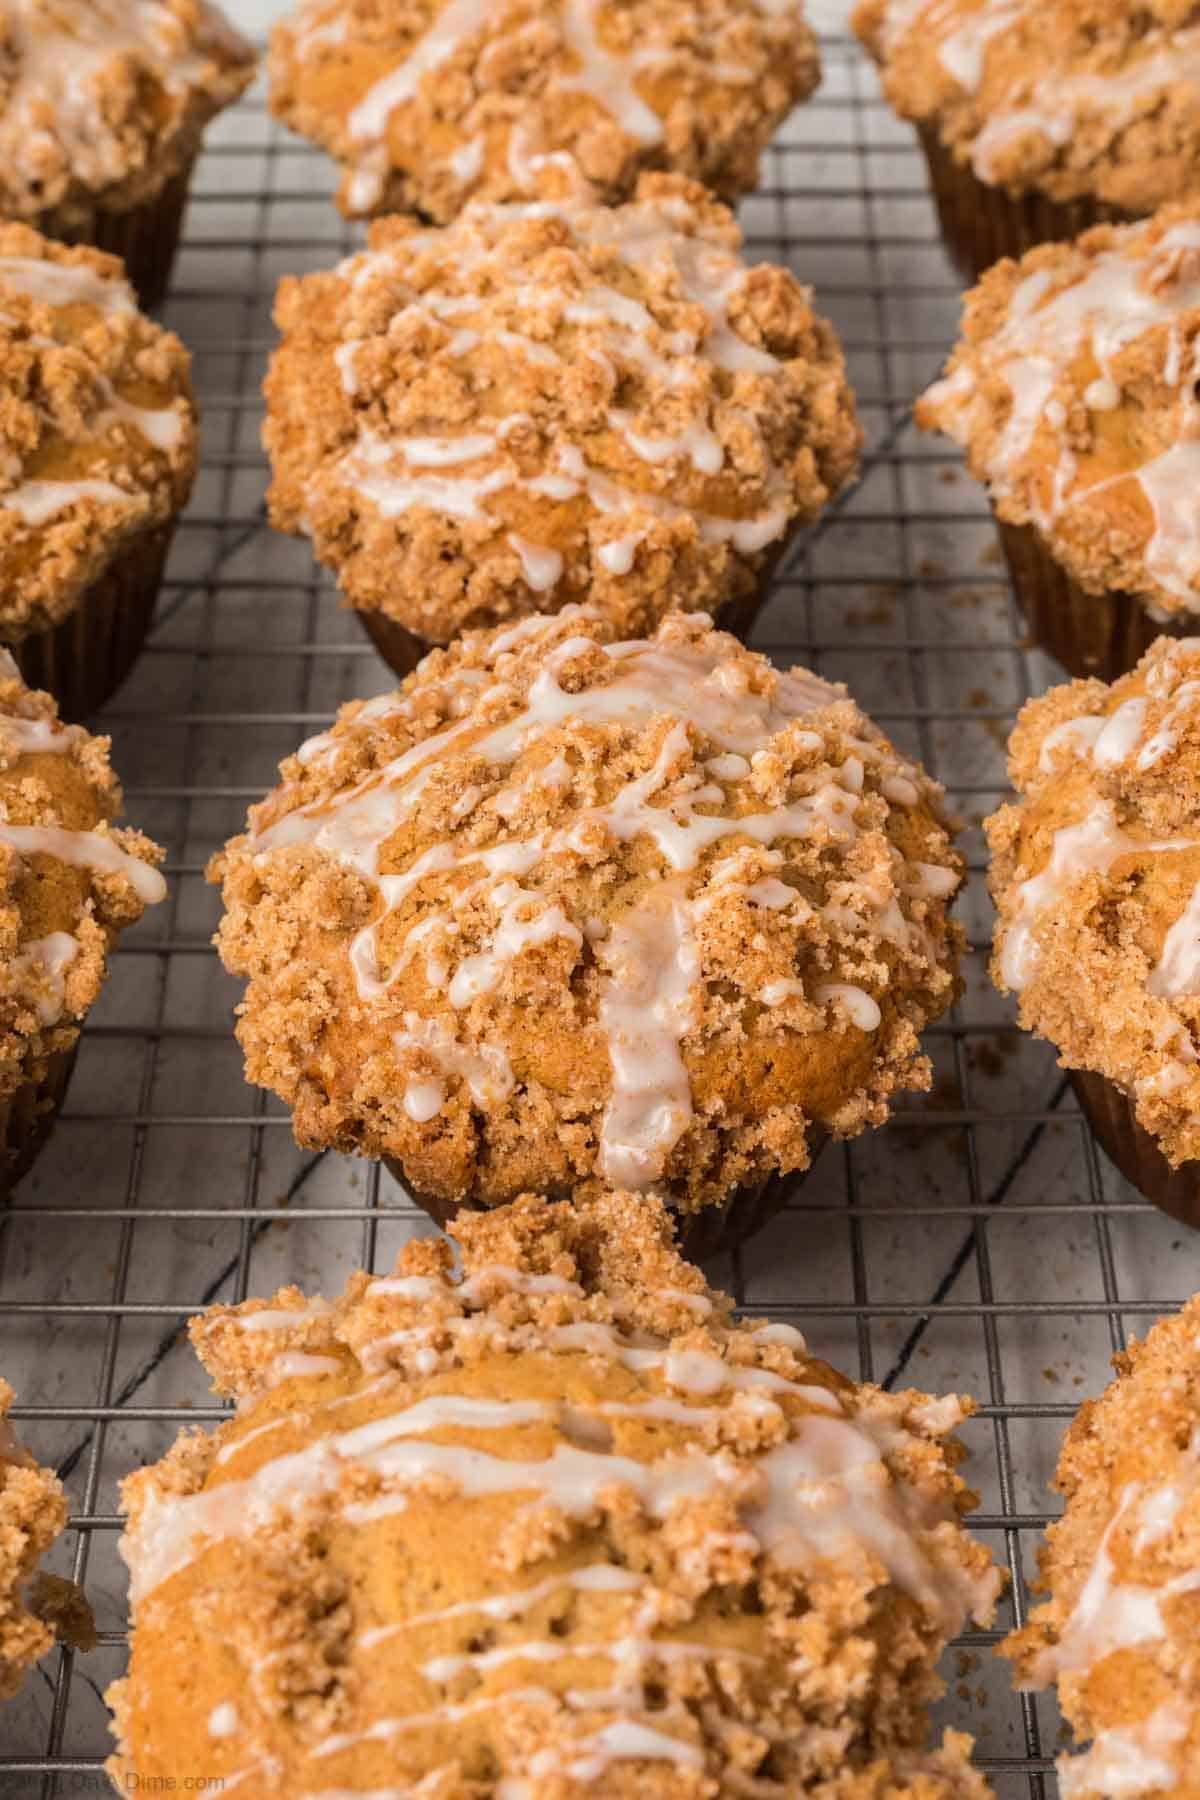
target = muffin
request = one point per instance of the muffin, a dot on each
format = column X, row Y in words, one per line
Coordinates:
column 568, row 912
column 538, row 406
column 69, row 883
column 1038, row 121
column 430, row 103
column 1119, row 1630
column 102, row 116
column 1096, row 877
column 32, row 1514
column 1073, row 392
column 558, row 1526
column 97, row 456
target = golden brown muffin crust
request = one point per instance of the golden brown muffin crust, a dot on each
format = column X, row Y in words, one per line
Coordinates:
column 559, row 1526
column 567, row 909
column 1122, row 1570
column 1074, row 393
column 431, row 103
column 1074, row 98
column 97, row 425
column 32, row 1513
column 549, row 404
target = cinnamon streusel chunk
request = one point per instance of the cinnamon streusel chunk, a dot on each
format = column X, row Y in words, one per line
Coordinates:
column 32, row 1513
column 1119, row 1630
column 547, row 404
column 555, row 1527
column 568, row 911
column 430, row 103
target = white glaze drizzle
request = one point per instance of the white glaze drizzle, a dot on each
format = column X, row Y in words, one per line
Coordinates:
column 87, row 850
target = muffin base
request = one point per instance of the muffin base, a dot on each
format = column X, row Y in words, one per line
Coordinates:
column 712, row 1231
column 1089, row 634
column 85, row 657
column 981, row 224
column 27, row 1118
column 1110, row 1114
column 145, row 237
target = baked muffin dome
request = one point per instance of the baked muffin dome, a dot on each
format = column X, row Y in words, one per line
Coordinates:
column 430, row 103
column 1096, row 877
column 543, row 404
column 568, row 910
column 32, row 1514
column 1071, row 98
column 557, row 1527
column 1122, row 1569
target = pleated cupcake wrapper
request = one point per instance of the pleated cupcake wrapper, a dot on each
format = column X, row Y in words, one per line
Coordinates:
column 27, row 1117
column 1110, row 1113
column 712, row 1231
column 145, row 237
column 85, row 658
column 1089, row 634
column 980, row 224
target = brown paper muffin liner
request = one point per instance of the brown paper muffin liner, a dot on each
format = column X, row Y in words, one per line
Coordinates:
column 1110, row 1114
column 145, row 237
column 710, row 1232
column 85, row 658
column 28, row 1115
column 980, row 224
column 1089, row 634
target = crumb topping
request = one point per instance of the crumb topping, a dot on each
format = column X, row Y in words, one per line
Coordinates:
column 550, row 403
column 1096, row 877
column 1073, row 98
column 32, row 1513
column 575, row 910
column 97, row 425
column 107, row 102
column 555, row 1526
column 1120, row 1629
column 431, row 103
column 69, row 880
column 1074, row 392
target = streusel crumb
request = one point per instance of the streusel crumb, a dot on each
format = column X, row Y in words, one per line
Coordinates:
column 1072, row 98
column 1096, row 876
column 32, row 1513
column 430, row 103
column 568, row 910
column 542, row 405
column 1122, row 1570
column 555, row 1526
column 1073, row 392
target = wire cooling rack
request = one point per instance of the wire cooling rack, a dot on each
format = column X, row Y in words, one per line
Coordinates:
column 977, row 1243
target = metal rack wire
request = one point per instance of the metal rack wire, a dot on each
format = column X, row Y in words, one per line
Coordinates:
column 977, row 1243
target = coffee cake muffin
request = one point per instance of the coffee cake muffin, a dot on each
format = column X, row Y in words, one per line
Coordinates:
column 542, row 405
column 1041, row 118
column 1074, row 393
column 1096, row 877
column 103, row 109
column 430, row 103
column 69, row 882
column 556, row 1526
column 1122, row 1570
column 97, row 455
column 33, row 1512
column 567, row 911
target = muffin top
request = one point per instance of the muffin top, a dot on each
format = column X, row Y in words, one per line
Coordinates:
column 1074, row 394
column 32, row 1513
column 430, row 103
column 1072, row 98
column 97, row 426
column 567, row 910
column 107, row 102
column 544, row 403
column 1096, row 876
column 1122, row 1569
column 69, row 881
column 557, row 1526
